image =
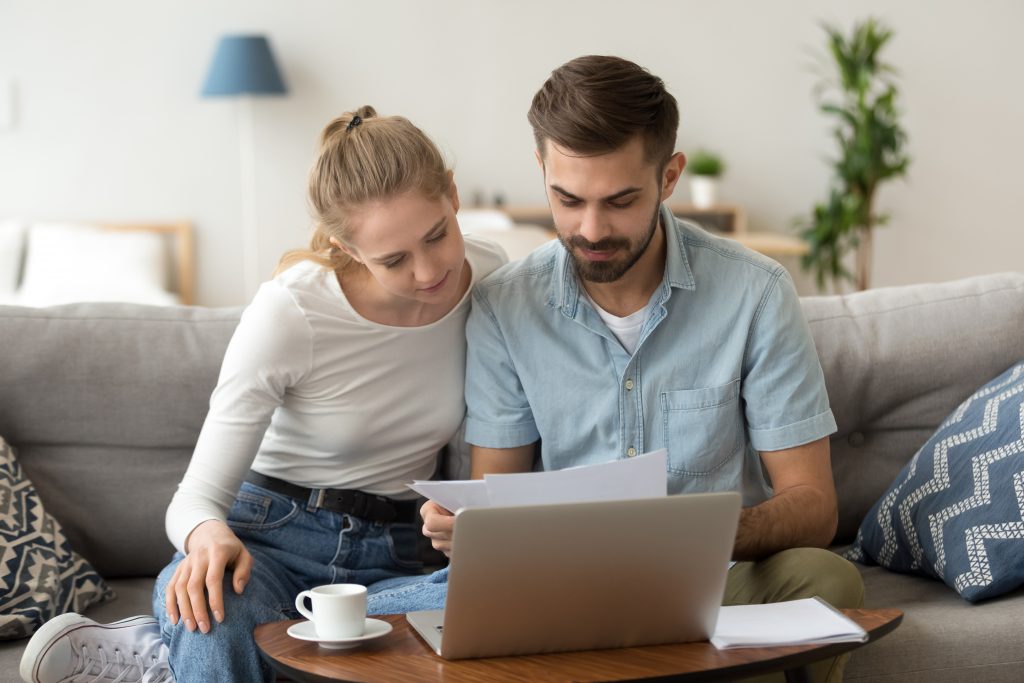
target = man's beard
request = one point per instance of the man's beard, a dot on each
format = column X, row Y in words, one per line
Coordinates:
column 608, row 271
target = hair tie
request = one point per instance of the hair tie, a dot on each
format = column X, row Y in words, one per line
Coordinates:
column 356, row 120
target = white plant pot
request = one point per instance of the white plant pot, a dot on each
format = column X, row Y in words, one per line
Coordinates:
column 703, row 191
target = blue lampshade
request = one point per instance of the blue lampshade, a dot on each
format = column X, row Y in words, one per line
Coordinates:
column 243, row 65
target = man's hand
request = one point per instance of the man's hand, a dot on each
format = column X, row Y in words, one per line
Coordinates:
column 212, row 548
column 801, row 513
column 438, row 526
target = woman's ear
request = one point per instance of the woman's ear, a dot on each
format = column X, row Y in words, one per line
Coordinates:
column 348, row 250
column 453, row 191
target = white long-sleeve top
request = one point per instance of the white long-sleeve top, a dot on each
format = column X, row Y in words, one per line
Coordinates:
column 315, row 394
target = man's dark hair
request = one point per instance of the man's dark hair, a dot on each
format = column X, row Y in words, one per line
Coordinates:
column 595, row 104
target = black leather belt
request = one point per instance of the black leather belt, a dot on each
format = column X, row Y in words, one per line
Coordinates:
column 344, row 501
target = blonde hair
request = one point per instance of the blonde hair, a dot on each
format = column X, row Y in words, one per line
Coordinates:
column 364, row 158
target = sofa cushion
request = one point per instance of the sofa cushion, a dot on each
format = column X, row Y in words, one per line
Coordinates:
column 897, row 360
column 104, row 403
column 40, row 575
column 942, row 638
column 956, row 511
column 12, row 247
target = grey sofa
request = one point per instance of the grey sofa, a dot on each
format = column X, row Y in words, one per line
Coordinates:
column 103, row 403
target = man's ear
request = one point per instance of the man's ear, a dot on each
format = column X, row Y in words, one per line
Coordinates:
column 453, row 191
column 670, row 176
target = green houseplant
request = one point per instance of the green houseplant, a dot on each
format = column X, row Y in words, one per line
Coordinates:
column 705, row 167
column 706, row 163
column 870, row 140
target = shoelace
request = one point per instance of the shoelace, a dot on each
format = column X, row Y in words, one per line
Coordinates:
column 156, row 672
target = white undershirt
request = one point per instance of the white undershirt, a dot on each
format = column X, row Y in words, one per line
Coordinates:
column 313, row 393
column 626, row 330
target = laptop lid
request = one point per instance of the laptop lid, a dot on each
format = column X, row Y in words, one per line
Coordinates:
column 582, row 576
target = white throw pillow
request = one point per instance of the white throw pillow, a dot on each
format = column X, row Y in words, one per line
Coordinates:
column 12, row 247
column 519, row 240
column 69, row 262
column 471, row 220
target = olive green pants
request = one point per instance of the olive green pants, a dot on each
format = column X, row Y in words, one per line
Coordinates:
column 792, row 575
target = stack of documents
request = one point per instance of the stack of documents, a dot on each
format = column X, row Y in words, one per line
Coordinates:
column 644, row 476
column 798, row 622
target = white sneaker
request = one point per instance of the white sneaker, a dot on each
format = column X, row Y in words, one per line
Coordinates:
column 71, row 649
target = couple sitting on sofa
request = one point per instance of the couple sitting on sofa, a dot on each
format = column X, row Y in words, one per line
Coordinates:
column 345, row 377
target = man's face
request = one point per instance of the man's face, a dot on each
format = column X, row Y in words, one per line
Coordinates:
column 605, row 208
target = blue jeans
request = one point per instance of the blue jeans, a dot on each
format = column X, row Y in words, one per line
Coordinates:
column 293, row 549
column 408, row 593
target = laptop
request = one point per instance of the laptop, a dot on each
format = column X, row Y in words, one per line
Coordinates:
column 583, row 576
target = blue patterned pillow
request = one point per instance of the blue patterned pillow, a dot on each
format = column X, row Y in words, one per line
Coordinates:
column 40, row 575
column 956, row 511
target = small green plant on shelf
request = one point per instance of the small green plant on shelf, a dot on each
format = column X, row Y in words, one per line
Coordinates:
column 706, row 163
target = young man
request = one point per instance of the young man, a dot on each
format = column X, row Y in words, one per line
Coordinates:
column 637, row 331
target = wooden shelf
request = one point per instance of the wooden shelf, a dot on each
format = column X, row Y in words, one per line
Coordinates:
column 724, row 218
column 774, row 244
column 727, row 220
column 720, row 218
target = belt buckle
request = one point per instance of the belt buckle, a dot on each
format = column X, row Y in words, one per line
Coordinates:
column 386, row 510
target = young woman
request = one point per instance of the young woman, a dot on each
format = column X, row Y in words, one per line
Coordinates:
column 341, row 384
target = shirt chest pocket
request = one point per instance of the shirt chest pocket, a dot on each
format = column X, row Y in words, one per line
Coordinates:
column 703, row 427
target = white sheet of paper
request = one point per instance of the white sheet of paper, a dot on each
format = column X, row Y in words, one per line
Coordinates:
column 644, row 476
column 795, row 622
column 454, row 495
column 641, row 477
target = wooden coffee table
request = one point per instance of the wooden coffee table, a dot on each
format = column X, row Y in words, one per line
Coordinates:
column 403, row 657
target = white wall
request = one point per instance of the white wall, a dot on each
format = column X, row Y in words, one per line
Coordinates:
column 109, row 123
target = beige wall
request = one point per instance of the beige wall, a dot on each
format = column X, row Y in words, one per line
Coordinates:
column 109, row 123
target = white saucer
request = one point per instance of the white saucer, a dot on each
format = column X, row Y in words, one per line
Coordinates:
column 374, row 628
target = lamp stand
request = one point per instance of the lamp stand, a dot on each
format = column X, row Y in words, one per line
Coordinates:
column 247, row 165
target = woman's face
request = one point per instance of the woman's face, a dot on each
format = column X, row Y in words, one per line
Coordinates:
column 411, row 246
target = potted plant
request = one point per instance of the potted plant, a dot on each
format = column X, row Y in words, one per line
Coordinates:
column 862, row 98
column 705, row 168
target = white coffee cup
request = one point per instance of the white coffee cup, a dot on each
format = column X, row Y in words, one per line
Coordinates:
column 339, row 610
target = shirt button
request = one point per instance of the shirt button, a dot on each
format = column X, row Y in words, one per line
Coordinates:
column 629, row 385
column 631, row 452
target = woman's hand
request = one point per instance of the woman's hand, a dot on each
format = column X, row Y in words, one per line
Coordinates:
column 438, row 525
column 212, row 547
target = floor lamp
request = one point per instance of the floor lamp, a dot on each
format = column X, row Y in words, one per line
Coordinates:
column 242, row 67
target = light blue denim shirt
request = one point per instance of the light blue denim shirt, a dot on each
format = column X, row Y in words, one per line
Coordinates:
column 725, row 367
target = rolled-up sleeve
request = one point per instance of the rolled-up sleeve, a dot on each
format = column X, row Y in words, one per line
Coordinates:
column 783, row 386
column 498, row 412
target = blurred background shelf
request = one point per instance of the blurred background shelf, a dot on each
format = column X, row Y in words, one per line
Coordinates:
column 727, row 220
